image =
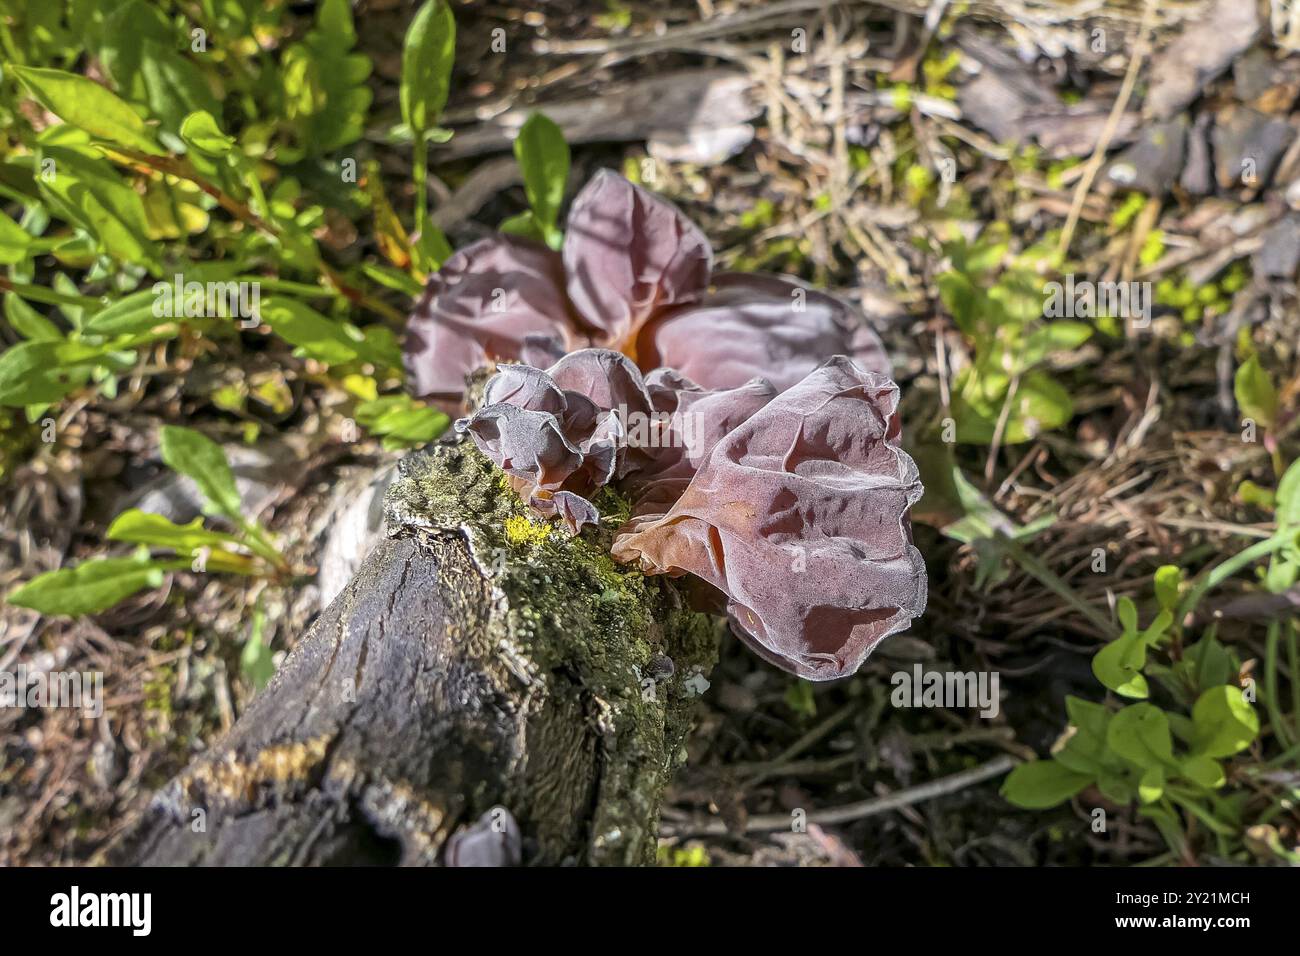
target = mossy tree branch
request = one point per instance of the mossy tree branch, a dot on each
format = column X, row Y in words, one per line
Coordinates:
column 479, row 660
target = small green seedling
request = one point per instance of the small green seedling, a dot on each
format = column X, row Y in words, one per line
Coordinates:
column 99, row 583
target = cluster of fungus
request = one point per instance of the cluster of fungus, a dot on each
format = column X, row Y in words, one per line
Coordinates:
column 751, row 421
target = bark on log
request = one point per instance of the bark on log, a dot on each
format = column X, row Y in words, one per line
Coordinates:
column 479, row 662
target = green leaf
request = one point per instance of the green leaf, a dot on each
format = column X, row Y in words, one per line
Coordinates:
column 543, row 157
column 1056, row 336
column 1118, row 666
column 256, row 661
column 175, row 87
column 1169, row 581
column 1256, row 495
column 1115, row 786
column 130, row 315
column 143, row 527
column 1089, row 717
column 1203, row 771
column 1040, row 404
column 1140, row 734
column 200, row 131
column 126, row 30
column 1127, row 612
column 401, row 421
column 14, row 241
column 1288, row 497
column 87, row 105
column 1152, row 785
column 39, row 372
column 1225, row 722
column 326, row 81
column 29, row 323
column 196, row 456
column 427, row 56
column 1208, row 664
column 1081, row 756
column 1256, row 396
column 962, row 300
column 87, row 190
column 89, row 587
column 323, row 338
column 431, row 247
column 1042, row 784
column 525, row 224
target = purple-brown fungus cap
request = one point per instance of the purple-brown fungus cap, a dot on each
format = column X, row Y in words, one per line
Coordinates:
column 751, row 420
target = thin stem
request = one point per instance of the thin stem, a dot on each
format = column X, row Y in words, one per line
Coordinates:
column 1221, row 572
column 420, row 172
column 1271, row 700
column 1293, row 674
column 48, row 296
column 257, row 540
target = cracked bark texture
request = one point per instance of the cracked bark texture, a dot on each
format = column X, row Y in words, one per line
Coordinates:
column 478, row 661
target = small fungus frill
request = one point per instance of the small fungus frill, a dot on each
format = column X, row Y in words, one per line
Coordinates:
column 751, row 420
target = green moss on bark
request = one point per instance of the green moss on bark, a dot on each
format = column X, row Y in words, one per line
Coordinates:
column 565, row 604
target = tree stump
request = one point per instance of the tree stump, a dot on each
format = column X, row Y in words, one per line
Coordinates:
column 486, row 690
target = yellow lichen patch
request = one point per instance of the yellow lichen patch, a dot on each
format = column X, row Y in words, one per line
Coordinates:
column 230, row 779
column 521, row 531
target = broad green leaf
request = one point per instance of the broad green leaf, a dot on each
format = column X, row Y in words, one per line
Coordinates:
column 14, row 241
column 1203, row 771
column 87, row 105
column 200, row 131
column 1115, row 786
column 1042, row 784
column 1091, row 718
column 1225, row 722
column 1140, row 734
column 1081, row 752
column 543, row 157
column 89, row 587
column 1118, row 666
column 1256, row 396
column 143, row 527
column 427, row 56
column 196, row 456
